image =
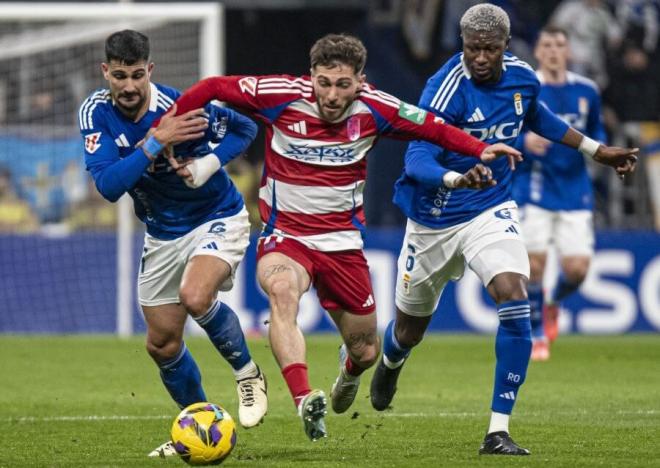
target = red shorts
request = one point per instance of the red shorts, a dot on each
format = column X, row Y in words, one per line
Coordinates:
column 341, row 279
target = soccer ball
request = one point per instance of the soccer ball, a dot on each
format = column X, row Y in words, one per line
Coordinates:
column 203, row 434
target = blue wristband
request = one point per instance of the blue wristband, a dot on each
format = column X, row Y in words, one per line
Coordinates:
column 152, row 146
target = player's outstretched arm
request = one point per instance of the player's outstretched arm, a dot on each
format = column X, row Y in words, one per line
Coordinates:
column 623, row 160
column 492, row 152
column 421, row 166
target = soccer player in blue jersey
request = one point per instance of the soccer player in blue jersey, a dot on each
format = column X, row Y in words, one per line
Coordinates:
column 490, row 94
column 553, row 188
column 197, row 225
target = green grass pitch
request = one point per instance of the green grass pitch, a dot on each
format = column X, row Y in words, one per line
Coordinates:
column 98, row 401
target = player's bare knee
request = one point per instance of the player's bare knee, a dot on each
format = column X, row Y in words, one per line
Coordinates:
column 409, row 334
column 196, row 302
column 163, row 350
column 282, row 293
column 576, row 274
column 507, row 287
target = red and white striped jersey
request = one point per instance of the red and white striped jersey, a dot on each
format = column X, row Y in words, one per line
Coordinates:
column 315, row 170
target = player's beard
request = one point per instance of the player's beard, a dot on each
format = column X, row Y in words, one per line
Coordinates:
column 132, row 109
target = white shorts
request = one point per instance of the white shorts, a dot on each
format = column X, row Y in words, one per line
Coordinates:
column 164, row 261
column 571, row 232
column 490, row 244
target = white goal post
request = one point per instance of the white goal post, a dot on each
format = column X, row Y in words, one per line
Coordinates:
column 32, row 30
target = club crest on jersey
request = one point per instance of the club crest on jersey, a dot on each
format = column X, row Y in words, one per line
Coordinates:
column 353, row 128
column 219, row 128
column 248, row 85
column 92, row 142
column 583, row 105
column 517, row 103
column 412, row 113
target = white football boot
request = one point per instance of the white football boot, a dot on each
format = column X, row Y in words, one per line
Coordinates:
column 252, row 399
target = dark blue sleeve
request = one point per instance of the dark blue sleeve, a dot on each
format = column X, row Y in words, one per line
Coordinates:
column 542, row 121
column 239, row 133
column 112, row 175
column 421, row 165
column 420, row 160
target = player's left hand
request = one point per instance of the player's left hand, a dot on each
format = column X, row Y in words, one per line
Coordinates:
column 492, row 152
column 623, row 160
column 477, row 178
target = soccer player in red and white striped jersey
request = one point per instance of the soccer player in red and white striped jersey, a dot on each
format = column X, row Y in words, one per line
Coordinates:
column 319, row 129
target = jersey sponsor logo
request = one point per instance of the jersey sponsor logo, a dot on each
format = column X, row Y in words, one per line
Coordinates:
column 320, row 153
column 517, row 103
column 353, row 128
column 412, row 113
column 298, row 127
column 477, row 116
column 92, row 142
column 248, row 85
column 503, row 131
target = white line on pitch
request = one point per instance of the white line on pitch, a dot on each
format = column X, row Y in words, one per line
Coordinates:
column 362, row 415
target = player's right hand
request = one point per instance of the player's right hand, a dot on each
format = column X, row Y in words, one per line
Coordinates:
column 174, row 129
column 492, row 152
column 479, row 177
column 623, row 160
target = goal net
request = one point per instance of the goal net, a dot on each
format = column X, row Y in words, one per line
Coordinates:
column 67, row 257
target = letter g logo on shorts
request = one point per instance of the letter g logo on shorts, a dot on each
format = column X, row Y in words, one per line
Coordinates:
column 504, row 213
column 217, row 228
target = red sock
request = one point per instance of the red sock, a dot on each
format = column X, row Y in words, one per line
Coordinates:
column 296, row 379
column 352, row 368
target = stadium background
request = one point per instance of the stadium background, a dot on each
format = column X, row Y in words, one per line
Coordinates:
column 59, row 257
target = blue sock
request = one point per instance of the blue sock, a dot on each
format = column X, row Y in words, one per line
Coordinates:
column 513, row 346
column 182, row 378
column 535, row 293
column 563, row 288
column 392, row 350
column 222, row 325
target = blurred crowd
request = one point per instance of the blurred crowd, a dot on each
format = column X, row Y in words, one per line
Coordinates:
column 614, row 42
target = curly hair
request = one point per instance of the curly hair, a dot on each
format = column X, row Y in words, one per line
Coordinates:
column 334, row 49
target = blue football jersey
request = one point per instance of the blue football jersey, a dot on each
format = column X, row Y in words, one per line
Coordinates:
column 162, row 200
column 492, row 112
column 559, row 179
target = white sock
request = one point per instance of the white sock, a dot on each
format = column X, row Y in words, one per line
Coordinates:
column 499, row 422
column 392, row 365
column 247, row 371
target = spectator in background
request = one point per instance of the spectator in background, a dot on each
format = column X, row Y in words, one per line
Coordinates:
column 15, row 213
column 634, row 92
column 590, row 25
column 639, row 21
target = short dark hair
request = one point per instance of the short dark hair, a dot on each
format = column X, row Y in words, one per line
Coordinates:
column 333, row 49
column 127, row 47
column 552, row 29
